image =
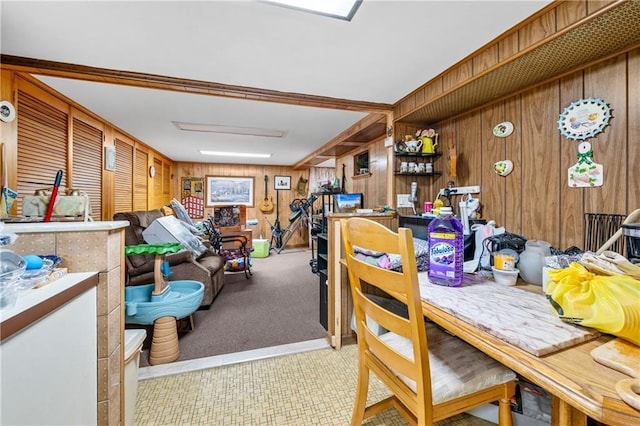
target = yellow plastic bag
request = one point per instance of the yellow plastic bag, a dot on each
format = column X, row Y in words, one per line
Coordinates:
column 610, row 304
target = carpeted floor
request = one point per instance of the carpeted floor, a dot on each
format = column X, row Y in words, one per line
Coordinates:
column 279, row 304
column 310, row 388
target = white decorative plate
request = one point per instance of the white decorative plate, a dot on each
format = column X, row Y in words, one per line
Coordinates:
column 504, row 129
column 584, row 119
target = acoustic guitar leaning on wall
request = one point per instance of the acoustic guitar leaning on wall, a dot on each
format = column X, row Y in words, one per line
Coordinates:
column 267, row 204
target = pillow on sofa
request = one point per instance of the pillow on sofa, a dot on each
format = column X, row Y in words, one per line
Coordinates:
column 181, row 212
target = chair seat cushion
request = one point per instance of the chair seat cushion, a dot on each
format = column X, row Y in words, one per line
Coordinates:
column 457, row 368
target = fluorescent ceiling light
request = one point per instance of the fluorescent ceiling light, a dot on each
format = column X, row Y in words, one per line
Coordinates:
column 341, row 9
column 215, row 128
column 235, row 154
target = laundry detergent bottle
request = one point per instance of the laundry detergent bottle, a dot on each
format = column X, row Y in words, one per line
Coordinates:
column 446, row 249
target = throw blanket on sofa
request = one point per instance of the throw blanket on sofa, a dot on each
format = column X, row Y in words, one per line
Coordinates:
column 391, row 260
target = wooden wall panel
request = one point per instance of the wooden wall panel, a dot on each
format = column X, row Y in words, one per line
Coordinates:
column 457, row 75
column 281, row 199
column 569, row 12
column 537, row 201
column 513, row 151
column 571, row 199
column 633, row 133
column 485, row 59
column 607, row 81
column 469, row 148
column 540, row 166
column 140, row 180
column 87, row 162
column 123, row 175
column 537, row 30
column 373, row 185
column 158, row 179
column 494, row 198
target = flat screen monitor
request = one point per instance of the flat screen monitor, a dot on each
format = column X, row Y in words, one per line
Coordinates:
column 347, row 203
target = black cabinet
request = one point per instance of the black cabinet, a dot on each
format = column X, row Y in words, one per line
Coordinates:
column 319, row 226
column 322, row 265
column 320, row 250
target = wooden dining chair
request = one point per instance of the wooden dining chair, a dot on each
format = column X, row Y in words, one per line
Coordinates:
column 432, row 375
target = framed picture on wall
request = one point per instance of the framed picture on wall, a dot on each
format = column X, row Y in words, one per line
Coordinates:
column 110, row 158
column 282, row 182
column 229, row 190
column 193, row 196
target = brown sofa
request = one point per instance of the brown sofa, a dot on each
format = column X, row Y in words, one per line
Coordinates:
column 208, row 268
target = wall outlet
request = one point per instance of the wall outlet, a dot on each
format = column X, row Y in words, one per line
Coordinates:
column 461, row 190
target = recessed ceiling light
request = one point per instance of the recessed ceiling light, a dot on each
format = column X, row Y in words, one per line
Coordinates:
column 215, row 128
column 341, row 9
column 235, row 154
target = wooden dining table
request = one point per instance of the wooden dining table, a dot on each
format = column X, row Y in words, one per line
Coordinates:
column 554, row 357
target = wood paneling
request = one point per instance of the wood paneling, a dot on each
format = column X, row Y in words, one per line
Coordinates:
column 87, row 162
column 123, row 176
column 281, row 199
column 140, row 179
column 535, row 199
column 492, row 149
column 608, row 81
column 42, row 142
column 537, row 30
column 513, row 151
column 571, row 199
column 569, row 12
column 633, row 132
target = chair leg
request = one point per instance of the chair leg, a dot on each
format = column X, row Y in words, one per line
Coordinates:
column 504, row 412
column 362, row 390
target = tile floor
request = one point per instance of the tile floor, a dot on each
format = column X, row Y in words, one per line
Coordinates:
column 305, row 383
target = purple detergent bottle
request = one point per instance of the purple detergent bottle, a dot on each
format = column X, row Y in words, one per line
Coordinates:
column 446, row 249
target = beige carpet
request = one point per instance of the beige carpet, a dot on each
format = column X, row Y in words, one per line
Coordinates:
column 311, row 388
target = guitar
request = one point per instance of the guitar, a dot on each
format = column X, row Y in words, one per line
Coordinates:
column 267, row 204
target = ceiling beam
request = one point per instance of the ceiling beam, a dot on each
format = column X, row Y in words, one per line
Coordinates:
column 341, row 139
column 155, row 81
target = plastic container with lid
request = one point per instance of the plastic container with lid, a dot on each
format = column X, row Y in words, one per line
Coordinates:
column 133, row 340
column 446, row 249
column 532, row 260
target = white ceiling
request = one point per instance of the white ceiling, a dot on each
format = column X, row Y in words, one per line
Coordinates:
column 386, row 51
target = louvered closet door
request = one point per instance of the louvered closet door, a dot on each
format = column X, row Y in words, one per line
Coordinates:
column 87, row 164
column 42, row 145
column 157, row 183
column 140, row 180
column 166, row 184
column 123, row 177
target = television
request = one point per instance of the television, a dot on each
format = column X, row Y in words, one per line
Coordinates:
column 347, row 203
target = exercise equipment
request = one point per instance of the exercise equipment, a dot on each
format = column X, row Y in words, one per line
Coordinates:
column 299, row 215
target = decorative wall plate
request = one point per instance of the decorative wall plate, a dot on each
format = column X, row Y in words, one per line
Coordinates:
column 584, row 119
column 585, row 173
column 503, row 167
column 504, row 129
column 7, row 111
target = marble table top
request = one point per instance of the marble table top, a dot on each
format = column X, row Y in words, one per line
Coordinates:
column 521, row 318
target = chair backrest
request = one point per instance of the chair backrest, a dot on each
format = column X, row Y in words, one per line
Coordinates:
column 369, row 235
column 598, row 229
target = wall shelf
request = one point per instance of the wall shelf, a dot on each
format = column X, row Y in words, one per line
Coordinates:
column 361, row 175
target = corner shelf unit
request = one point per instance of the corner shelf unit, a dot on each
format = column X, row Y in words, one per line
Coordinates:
column 415, row 157
column 320, row 247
